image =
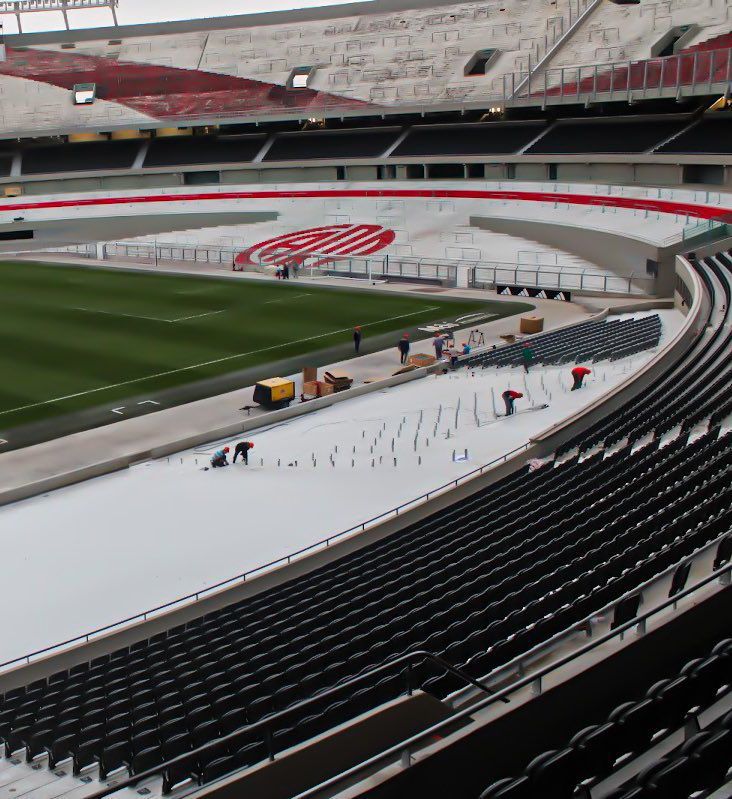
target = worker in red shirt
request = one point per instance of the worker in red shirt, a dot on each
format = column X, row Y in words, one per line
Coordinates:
column 578, row 374
column 509, row 397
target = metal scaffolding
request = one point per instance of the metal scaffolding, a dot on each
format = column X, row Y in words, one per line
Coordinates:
column 19, row 7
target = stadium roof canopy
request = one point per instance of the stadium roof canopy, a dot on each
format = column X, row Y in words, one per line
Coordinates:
column 135, row 12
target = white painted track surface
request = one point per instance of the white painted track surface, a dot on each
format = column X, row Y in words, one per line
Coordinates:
column 94, row 553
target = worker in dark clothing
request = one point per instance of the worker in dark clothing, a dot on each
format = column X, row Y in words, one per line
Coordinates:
column 242, row 448
column 527, row 355
column 578, row 375
column 357, row 339
column 219, row 458
column 439, row 344
column 509, row 398
column 403, row 347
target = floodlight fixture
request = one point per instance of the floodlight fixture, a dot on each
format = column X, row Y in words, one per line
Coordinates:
column 84, row 93
column 300, row 77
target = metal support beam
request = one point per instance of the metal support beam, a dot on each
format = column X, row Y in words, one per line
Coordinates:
column 20, row 7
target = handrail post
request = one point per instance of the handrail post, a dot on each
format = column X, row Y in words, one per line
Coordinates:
column 269, row 743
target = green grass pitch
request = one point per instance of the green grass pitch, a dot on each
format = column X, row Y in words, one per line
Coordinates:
column 76, row 338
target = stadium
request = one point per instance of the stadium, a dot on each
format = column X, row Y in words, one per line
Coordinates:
column 366, row 409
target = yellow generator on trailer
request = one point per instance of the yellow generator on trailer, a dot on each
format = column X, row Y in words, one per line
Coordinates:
column 277, row 392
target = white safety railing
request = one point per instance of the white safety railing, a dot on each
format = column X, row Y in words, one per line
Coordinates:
column 474, row 274
column 490, row 275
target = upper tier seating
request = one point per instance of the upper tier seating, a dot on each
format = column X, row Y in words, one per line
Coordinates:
column 480, row 582
column 591, row 341
column 623, row 135
column 368, row 143
column 79, row 157
column 712, row 134
column 469, row 139
column 203, row 150
column 650, row 713
column 415, row 57
column 630, row 35
column 688, row 67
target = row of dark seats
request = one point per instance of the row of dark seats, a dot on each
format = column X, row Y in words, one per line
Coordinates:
column 622, row 135
column 116, row 710
column 698, row 769
column 480, row 582
column 712, row 134
column 597, row 340
column 594, row 753
column 688, row 393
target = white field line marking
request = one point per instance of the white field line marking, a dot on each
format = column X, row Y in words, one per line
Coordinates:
column 114, row 313
column 195, row 316
column 149, row 318
column 285, row 299
column 208, row 363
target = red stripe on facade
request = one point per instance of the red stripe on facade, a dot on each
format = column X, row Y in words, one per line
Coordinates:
column 678, row 208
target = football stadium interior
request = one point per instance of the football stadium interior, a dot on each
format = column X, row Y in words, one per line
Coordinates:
column 366, row 401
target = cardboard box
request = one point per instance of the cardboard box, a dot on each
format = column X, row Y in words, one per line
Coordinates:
column 310, row 388
column 325, row 389
column 309, row 374
column 422, row 359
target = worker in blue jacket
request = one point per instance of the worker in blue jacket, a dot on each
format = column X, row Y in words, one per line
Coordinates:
column 219, row 458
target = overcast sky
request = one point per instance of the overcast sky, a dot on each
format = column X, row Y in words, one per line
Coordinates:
column 132, row 11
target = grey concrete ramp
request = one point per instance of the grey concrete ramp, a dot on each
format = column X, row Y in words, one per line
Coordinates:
column 80, row 230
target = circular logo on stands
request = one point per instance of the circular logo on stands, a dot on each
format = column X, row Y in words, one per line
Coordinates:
column 316, row 246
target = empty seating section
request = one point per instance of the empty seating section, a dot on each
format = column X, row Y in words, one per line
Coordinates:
column 697, row 388
column 6, row 163
column 608, row 135
column 712, row 134
column 650, row 714
column 707, row 61
column 412, row 56
column 596, row 341
column 480, row 582
column 369, row 143
column 203, row 150
column 469, row 139
column 80, row 157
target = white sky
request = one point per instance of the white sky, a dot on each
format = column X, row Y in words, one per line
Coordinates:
column 134, row 11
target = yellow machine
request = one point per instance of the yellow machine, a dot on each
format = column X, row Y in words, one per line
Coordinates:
column 277, row 392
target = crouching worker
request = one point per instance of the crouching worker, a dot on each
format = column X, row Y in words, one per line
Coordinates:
column 578, row 375
column 509, row 397
column 219, row 458
column 242, row 448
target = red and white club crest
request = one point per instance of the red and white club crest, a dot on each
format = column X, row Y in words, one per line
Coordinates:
column 317, row 246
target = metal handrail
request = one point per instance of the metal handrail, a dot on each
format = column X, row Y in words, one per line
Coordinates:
column 285, row 559
column 266, row 724
column 535, row 678
column 540, row 275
